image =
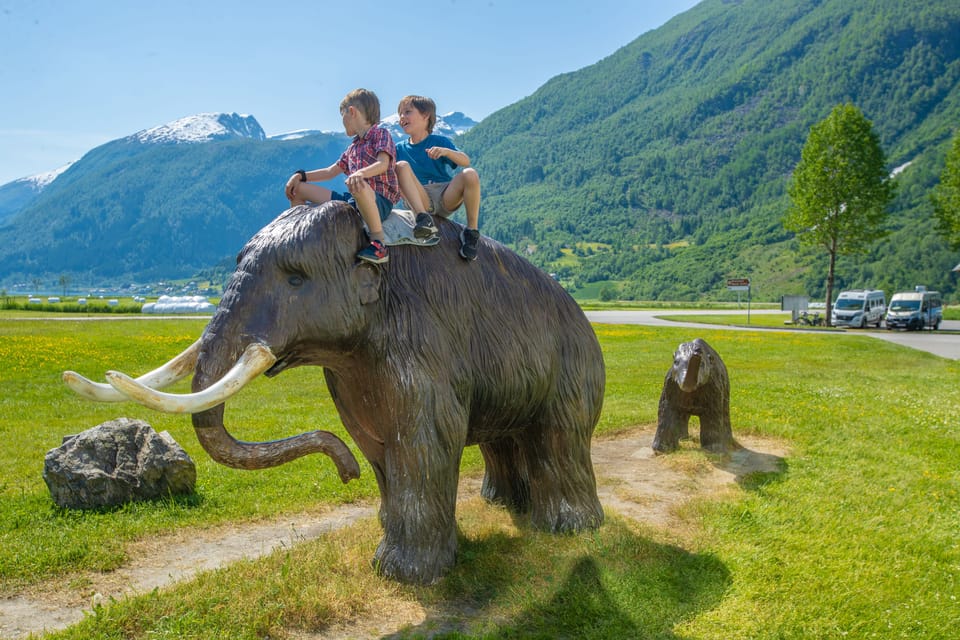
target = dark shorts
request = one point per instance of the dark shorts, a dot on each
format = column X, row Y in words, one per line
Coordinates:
column 383, row 204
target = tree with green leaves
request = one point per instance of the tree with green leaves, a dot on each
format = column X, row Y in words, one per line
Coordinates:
column 840, row 189
column 946, row 197
column 64, row 284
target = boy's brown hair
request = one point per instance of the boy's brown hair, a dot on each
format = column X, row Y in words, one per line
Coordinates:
column 364, row 101
column 424, row 105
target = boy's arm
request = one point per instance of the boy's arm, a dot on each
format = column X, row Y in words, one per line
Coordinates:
column 455, row 156
column 371, row 170
column 317, row 175
column 322, row 175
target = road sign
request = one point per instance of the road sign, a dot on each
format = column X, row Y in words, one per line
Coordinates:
column 738, row 284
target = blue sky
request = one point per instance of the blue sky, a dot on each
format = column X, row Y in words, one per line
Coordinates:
column 77, row 73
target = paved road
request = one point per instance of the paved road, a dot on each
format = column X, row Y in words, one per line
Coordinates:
column 946, row 345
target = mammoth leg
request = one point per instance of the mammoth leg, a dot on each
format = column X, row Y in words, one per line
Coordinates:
column 673, row 421
column 672, row 426
column 418, row 507
column 417, row 464
column 505, row 479
column 715, row 432
column 563, row 488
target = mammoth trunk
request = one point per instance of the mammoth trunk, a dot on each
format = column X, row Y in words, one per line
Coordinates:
column 691, row 376
column 227, row 450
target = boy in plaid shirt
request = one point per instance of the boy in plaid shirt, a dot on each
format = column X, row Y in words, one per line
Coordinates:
column 370, row 166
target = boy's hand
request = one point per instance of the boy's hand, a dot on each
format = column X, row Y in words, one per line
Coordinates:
column 292, row 185
column 355, row 180
column 436, row 152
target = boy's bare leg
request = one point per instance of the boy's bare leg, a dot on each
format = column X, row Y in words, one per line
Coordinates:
column 410, row 188
column 465, row 188
column 416, row 197
column 306, row 192
column 366, row 199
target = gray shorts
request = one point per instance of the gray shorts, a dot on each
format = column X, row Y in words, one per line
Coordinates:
column 435, row 195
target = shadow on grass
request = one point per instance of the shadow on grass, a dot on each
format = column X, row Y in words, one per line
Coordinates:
column 613, row 583
column 751, row 469
column 171, row 502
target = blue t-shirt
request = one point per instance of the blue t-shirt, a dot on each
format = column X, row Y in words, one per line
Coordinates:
column 424, row 167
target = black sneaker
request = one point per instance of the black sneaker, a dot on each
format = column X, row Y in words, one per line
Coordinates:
column 469, row 238
column 374, row 252
column 425, row 227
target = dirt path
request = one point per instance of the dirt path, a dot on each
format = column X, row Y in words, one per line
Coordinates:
column 631, row 481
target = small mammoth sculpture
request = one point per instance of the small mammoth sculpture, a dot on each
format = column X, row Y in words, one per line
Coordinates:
column 696, row 385
column 423, row 357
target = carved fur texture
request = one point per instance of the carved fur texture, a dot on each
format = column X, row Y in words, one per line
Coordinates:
column 423, row 356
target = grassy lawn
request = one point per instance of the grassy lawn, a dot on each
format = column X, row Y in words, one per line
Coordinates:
column 765, row 319
column 856, row 537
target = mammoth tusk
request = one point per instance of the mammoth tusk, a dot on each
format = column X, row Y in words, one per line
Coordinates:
column 173, row 371
column 255, row 360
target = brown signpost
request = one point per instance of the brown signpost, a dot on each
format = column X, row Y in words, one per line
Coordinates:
column 738, row 285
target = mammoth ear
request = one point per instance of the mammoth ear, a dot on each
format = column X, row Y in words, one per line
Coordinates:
column 367, row 278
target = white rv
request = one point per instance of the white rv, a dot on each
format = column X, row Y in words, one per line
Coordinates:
column 858, row 308
column 917, row 309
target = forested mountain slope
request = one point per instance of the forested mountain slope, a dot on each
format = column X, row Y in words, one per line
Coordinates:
column 664, row 166
column 656, row 173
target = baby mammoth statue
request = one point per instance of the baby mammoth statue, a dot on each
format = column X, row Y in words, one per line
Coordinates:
column 422, row 356
column 696, row 385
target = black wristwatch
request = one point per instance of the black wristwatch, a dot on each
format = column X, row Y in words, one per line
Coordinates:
column 302, row 174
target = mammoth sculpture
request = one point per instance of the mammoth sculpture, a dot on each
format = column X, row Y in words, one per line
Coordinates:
column 697, row 384
column 422, row 356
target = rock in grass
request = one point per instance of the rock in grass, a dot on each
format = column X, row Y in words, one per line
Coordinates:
column 117, row 462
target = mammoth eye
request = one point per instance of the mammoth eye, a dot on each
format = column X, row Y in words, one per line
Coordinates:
column 295, row 280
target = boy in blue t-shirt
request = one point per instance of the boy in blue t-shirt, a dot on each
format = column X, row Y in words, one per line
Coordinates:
column 426, row 162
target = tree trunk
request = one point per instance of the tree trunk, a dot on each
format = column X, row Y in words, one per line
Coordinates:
column 828, row 321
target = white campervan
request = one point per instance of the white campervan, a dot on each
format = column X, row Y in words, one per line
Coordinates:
column 917, row 309
column 858, row 308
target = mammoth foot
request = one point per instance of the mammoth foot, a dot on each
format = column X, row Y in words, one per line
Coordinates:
column 419, row 565
column 566, row 516
column 721, row 445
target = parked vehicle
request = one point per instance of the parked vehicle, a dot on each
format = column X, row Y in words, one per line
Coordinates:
column 915, row 310
column 858, row 308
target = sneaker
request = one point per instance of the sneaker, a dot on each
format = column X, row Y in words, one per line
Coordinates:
column 425, row 227
column 374, row 252
column 468, row 243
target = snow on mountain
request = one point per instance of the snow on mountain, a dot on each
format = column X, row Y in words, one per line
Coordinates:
column 300, row 133
column 451, row 125
column 206, row 127
column 456, row 122
column 41, row 180
column 203, row 127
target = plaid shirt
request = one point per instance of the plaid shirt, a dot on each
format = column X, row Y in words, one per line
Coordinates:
column 363, row 151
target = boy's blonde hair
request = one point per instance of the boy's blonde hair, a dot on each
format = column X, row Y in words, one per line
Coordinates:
column 364, row 101
column 424, row 105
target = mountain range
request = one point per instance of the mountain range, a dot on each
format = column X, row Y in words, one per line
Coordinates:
column 162, row 203
column 656, row 173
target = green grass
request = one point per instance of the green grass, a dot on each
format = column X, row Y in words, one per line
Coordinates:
column 781, row 320
column 678, row 307
column 40, row 541
column 855, row 538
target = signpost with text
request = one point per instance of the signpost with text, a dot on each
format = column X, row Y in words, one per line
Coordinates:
column 738, row 285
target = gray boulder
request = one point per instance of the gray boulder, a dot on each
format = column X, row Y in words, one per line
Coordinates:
column 116, row 462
